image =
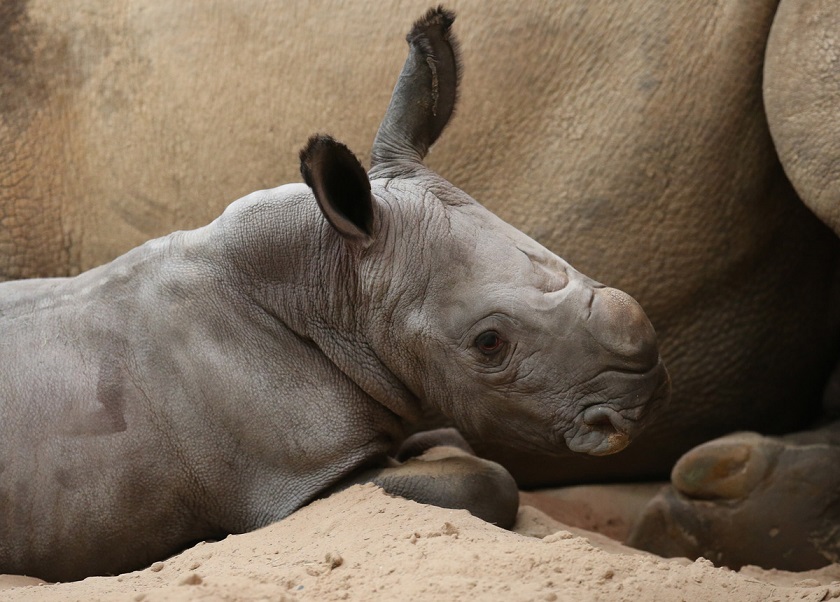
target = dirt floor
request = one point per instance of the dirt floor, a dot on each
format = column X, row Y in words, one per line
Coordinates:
column 362, row 544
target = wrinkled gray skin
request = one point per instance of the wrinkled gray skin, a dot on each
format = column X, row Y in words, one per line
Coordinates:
column 215, row 380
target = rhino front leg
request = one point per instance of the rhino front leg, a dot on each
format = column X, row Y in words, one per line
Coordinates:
column 442, row 471
column 449, row 477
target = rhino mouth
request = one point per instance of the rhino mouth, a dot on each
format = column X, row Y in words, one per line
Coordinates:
column 607, row 427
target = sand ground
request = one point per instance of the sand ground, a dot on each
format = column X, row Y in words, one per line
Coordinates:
column 362, row 544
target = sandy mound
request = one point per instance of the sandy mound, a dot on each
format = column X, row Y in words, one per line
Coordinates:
column 364, row 545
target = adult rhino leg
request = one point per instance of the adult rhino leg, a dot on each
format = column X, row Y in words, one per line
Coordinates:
column 750, row 499
column 801, row 86
column 439, row 468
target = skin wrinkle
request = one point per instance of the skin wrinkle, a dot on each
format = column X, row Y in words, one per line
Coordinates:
column 404, row 235
column 502, row 373
column 167, row 430
column 435, row 209
column 375, row 271
column 344, row 289
column 265, row 309
column 329, row 275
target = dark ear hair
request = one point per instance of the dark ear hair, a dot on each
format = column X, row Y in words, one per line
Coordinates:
column 425, row 95
column 341, row 187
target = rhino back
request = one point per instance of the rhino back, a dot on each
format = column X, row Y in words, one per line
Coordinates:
column 78, row 435
column 146, row 406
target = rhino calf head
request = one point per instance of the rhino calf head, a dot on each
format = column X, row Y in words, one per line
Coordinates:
column 472, row 316
column 213, row 381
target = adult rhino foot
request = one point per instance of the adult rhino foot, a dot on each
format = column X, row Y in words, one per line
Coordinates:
column 749, row 499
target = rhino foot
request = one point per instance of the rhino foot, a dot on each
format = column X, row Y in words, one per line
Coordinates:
column 418, row 443
column 749, row 499
column 438, row 468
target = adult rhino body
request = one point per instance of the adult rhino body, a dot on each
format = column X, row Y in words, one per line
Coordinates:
column 629, row 137
column 749, row 498
column 215, row 380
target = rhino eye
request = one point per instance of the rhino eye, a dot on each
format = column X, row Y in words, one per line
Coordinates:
column 489, row 342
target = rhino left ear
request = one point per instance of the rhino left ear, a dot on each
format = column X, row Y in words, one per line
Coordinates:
column 341, row 187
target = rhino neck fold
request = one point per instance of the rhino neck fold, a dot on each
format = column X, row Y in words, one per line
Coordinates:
column 360, row 362
column 343, row 328
column 304, row 276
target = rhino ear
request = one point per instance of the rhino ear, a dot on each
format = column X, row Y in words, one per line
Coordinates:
column 425, row 95
column 341, row 187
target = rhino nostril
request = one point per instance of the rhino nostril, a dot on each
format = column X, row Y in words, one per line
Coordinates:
column 606, row 422
column 598, row 418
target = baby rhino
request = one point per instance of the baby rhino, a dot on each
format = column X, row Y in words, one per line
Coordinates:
column 213, row 381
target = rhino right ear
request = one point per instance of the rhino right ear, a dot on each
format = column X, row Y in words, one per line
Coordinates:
column 341, row 187
column 426, row 92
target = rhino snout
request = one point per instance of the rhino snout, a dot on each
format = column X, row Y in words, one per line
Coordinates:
column 631, row 385
column 619, row 325
column 609, row 426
